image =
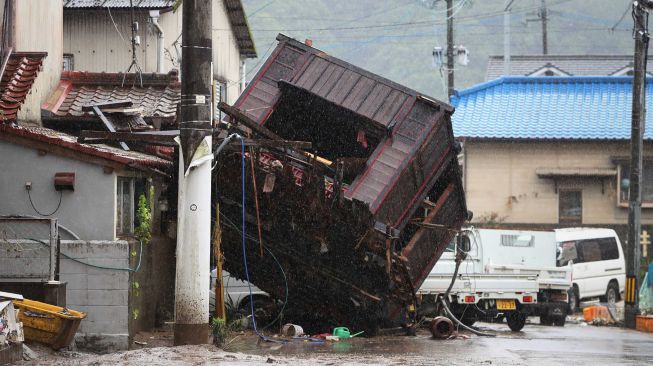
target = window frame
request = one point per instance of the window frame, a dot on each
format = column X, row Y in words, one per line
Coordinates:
column 137, row 185
column 620, row 190
column 569, row 219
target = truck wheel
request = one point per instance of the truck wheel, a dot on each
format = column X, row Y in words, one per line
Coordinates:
column 516, row 321
column 559, row 321
column 611, row 294
column 574, row 302
column 611, row 297
column 546, row 320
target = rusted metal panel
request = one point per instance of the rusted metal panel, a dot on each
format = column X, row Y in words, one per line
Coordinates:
column 348, row 242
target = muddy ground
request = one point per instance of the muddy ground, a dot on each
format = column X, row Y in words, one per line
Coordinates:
column 574, row 344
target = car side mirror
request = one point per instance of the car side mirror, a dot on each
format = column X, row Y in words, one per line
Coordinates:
column 464, row 244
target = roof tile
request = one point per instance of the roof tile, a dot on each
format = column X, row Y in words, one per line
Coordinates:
column 130, row 158
column 520, row 107
column 16, row 81
column 157, row 97
column 574, row 65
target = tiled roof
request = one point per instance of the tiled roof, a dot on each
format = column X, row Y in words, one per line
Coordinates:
column 240, row 27
column 158, row 96
column 149, row 4
column 574, row 65
column 17, row 79
column 572, row 107
column 132, row 159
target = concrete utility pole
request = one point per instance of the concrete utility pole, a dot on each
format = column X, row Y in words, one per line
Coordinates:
column 450, row 64
column 506, row 37
column 194, row 200
column 544, row 16
column 640, row 16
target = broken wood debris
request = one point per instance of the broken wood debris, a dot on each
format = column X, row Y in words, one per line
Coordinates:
column 340, row 217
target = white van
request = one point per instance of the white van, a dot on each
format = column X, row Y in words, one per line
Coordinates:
column 599, row 268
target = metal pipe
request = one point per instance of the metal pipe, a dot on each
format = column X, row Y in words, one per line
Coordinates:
column 160, row 38
column 54, row 233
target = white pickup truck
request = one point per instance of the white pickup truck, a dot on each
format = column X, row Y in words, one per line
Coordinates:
column 507, row 273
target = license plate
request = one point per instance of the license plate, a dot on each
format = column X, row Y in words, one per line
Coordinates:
column 506, row 305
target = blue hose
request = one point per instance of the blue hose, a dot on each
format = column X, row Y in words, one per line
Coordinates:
column 244, row 240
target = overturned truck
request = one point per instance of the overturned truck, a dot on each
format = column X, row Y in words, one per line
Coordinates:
column 349, row 229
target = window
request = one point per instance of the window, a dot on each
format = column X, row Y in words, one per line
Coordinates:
column 68, row 62
column 220, row 95
column 590, row 250
column 646, row 180
column 609, row 249
column 570, row 206
column 567, row 252
column 516, row 240
column 127, row 193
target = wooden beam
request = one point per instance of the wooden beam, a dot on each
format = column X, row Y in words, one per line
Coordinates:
column 153, row 137
column 241, row 117
column 270, row 143
column 111, row 104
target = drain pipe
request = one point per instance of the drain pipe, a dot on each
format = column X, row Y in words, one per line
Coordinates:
column 154, row 20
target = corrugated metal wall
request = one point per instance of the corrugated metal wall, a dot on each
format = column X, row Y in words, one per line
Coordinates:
column 91, row 37
column 97, row 45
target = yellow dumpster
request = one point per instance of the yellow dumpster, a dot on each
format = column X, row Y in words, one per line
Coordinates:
column 48, row 324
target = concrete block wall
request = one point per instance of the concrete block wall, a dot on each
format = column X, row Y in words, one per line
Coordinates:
column 103, row 294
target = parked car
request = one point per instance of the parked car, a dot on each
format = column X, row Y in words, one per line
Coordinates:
column 597, row 259
column 237, row 293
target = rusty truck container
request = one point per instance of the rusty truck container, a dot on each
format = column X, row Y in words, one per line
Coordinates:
column 358, row 221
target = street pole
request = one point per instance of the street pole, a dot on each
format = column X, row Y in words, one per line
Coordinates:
column 544, row 17
column 450, row 82
column 194, row 197
column 640, row 16
column 506, row 37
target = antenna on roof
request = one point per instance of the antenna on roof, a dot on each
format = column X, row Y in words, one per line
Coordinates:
column 136, row 40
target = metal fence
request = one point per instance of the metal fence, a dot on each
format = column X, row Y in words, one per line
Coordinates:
column 40, row 231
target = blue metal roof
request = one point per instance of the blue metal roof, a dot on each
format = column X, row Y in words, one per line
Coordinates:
column 568, row 107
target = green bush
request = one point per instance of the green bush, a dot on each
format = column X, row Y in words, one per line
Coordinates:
column 220, row 331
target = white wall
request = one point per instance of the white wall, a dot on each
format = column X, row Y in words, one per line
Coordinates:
column 89, row 211
column 39, row 28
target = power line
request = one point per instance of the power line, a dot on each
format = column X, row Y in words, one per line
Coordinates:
column 399, row 24
column 622, row 18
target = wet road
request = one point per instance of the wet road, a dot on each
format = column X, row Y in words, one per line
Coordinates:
column 574, row 344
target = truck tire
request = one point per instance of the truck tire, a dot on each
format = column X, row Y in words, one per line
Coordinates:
column 516, row 321
column 559, row 321
column 546, row 320
column 574, row 300
column 611, row 294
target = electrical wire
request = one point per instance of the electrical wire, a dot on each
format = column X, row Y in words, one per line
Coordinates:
column 283, row 273
column 115, row 25
column 244, row 244
column 401, row 24
column 132, row 270
column 39, row 212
